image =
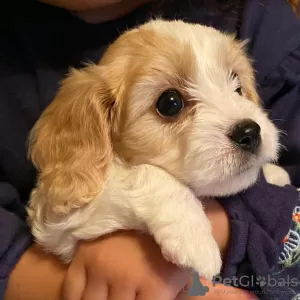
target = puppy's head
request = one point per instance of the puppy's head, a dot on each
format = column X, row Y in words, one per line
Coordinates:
column 175, row 95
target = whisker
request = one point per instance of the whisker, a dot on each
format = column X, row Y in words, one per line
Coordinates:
column 282, row 132
column 267, row 110
column 281, row 120
column 283, row 147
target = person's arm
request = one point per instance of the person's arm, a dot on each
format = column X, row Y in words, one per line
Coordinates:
column 41, row 276
column 37, row 275
column 220, row 222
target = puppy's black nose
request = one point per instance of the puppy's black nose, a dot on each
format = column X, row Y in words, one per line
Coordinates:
column 246, row 135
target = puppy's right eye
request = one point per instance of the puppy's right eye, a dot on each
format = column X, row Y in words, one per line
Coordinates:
column 169, row 104
column 239, row 88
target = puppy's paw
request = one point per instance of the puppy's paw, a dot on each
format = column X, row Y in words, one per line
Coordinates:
column 276, row 175
column 201, row 255
column 207, row 258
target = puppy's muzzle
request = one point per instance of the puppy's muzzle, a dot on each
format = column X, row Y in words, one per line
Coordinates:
column 246, row 136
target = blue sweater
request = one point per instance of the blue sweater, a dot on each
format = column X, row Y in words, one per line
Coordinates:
column 39, row 43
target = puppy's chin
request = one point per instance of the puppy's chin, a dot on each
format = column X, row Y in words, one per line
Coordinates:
column 235, row 179
column 230, row 186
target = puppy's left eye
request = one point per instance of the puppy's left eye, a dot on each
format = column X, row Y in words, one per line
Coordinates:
column 169, row 104
column 239, row 91
column 239, row 88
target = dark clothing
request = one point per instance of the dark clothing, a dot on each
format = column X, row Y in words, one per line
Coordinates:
column 38, row 45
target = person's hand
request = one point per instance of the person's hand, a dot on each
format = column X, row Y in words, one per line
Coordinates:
column 123, row 266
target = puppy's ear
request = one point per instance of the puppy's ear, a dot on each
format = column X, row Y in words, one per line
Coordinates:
column 70, row 144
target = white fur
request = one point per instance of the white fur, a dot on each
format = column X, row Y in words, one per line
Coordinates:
column 276, row 175
column 159, row 195
column 144, row 198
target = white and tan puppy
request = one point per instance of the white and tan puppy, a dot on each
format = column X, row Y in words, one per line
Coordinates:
column 169, row 115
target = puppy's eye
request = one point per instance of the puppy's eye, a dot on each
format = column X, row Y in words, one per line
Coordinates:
column 169, row 104
column 239, row 91
column 239, row 88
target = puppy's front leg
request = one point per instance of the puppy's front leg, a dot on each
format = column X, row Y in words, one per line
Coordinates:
column 176, row 219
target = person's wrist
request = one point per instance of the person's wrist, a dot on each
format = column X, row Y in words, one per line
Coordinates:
column 36, row 276
column 220, row 222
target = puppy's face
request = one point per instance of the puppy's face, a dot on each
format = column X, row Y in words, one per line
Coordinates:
column 192, row 109
column 175, row 95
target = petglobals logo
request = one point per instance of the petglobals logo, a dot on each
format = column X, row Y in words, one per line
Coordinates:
column 261, row 281
column 199, row 289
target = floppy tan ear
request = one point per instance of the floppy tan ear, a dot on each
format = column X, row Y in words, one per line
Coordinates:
column 70, row 144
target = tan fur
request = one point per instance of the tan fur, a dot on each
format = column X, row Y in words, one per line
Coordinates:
column 70, row 144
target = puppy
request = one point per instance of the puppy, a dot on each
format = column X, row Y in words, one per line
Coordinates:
column 169, row 115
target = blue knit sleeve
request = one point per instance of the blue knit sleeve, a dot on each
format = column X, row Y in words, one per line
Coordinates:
column 260, row 219
column 15, row 236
